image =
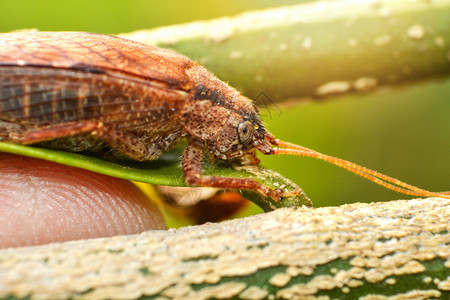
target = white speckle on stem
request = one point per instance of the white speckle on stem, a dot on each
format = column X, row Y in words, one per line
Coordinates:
column 391, row 281
column 235, row 55
column 352, row 42
column 382, row 40
column 254, row 292
column 385, row 12
column 416, row 32
column 280, row 279
column 427, row 280
column 307, row 43
column 439, row 41
column 333, row 87
column 283, row 47
column 444, row 285
column 365, row 83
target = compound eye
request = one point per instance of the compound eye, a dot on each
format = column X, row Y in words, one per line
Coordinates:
column 245, row 132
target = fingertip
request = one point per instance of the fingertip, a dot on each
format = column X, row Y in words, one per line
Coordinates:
column 43, row 202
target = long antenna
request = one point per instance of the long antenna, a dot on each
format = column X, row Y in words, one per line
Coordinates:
column 374, row 176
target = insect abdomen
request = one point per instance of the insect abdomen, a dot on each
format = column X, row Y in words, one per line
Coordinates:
column 41, row 96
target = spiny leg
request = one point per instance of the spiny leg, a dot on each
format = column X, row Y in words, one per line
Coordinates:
column 119, row 140
column 126, row 143
column 22, row 135
column 192, row 169
column 6, row 128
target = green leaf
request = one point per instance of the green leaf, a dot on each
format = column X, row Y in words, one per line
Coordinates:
column 166, row 171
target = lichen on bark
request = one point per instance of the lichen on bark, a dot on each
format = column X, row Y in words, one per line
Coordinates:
column 393, row 249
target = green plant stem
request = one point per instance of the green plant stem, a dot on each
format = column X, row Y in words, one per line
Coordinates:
column 397, row 248
column 318, row 48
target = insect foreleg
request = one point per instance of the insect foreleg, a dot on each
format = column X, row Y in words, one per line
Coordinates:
column 192, row 168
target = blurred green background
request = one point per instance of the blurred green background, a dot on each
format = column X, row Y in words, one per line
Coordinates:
column 404, row 133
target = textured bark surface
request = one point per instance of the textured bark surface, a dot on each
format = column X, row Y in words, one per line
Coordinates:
column 394, row 249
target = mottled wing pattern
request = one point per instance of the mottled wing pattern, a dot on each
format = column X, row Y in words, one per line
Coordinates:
column 37, row 96
column 89, row 51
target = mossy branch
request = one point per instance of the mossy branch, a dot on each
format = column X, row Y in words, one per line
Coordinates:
column 318, row 48
column 398, row 248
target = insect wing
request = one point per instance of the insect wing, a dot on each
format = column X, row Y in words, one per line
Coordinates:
column 94, row 52
column 36, row 96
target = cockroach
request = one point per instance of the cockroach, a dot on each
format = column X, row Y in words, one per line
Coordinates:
column 80, row 91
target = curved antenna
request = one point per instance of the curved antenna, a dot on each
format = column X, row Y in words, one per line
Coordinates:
column 374, row 176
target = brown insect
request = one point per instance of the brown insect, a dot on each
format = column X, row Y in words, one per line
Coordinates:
column 82, row 91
